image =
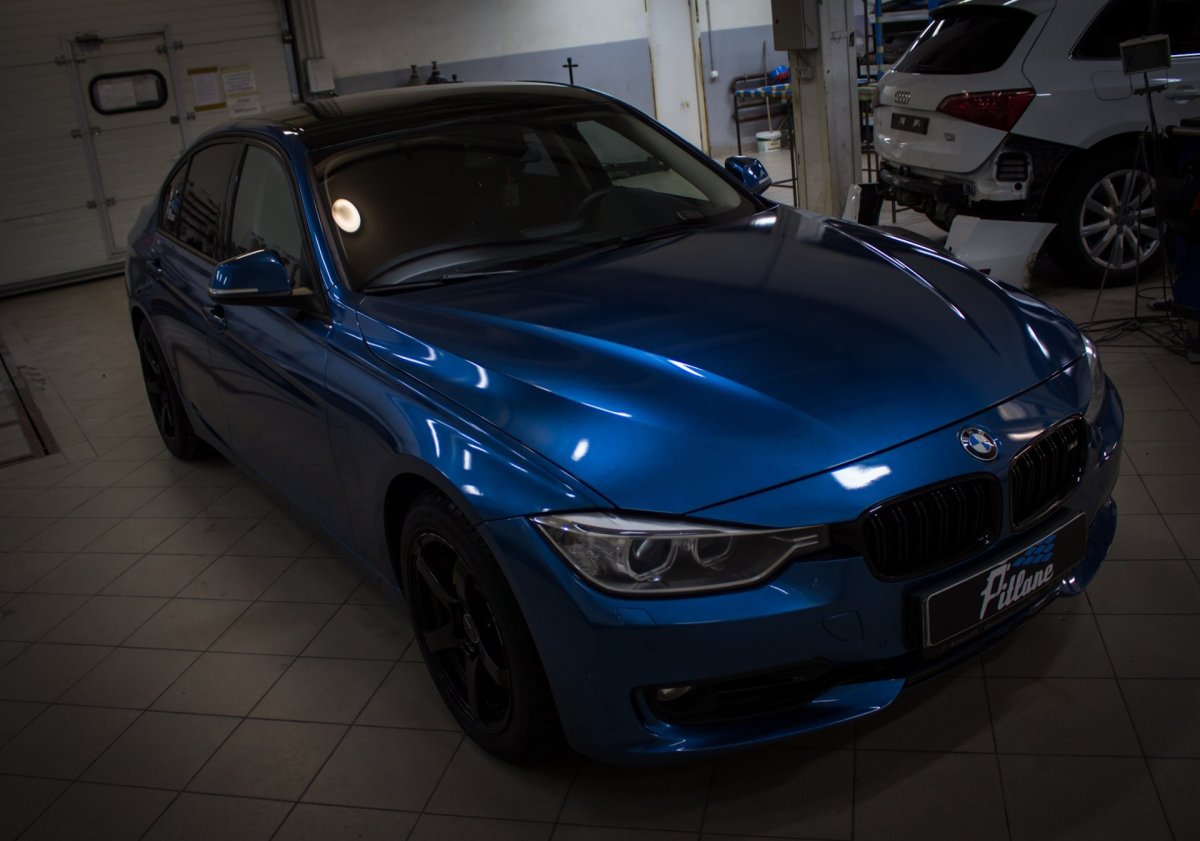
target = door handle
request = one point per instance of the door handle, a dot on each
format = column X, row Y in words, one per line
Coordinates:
column 154, row 266
column 215, row 315
column 1182, row 93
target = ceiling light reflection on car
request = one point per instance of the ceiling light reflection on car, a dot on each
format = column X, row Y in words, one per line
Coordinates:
column 860, row 476
column 346, row 215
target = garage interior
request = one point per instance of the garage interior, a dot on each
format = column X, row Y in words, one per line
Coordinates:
column 183, row 657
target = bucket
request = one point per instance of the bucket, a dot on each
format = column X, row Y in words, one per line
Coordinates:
column 768, row 141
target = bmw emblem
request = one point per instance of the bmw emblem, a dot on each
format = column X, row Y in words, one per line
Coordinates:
column 979, row 443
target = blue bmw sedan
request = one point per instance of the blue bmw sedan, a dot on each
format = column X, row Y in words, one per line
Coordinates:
column 659, row 467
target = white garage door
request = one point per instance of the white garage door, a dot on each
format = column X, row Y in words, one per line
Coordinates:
column 85, row 140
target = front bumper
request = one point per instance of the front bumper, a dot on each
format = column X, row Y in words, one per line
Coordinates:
column 601, row 652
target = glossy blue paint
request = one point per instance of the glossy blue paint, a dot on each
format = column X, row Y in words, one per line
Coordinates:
column 781, row 370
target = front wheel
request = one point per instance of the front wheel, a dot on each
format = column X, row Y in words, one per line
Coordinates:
column 1107, row 222
column 169, row 415
column 472, row 635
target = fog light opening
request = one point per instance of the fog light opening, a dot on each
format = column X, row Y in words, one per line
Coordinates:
column 672, row 693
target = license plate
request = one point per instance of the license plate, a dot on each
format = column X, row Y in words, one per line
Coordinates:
column 982, row 598
column 907, row 122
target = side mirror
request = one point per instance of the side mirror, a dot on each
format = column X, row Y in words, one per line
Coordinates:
column 749, row 171
column 255, row 278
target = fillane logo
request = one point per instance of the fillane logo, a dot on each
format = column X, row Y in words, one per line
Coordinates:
column 1004, row 590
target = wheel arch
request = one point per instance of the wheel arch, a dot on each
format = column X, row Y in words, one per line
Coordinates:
column 1076, row 160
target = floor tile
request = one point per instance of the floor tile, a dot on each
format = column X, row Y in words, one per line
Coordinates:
column 1145, row 587
column 138, row 536
column 476, row 784
column 130, row 677
column 179, row 502
column 187, row 624
column 321, row 823
column 1164, row 713
column 1177, row 781
column 1174, row 494
column 83, row 573
column 1110, row 798
column 237, row 577
column 1160, row 425
column 223, row 684
column 315, row 689
column 70, row 534
column 942, row 715
column 198, row 817
column 1132, row 497
column 16, row 531
column 243, row 501
column 1050, row 646
column 116, row 502
column 43, row 672
column 274, row 628
column 53, row 502
column 1067, row 716
column 161, row 750
column 273, row 759
column 89, row 812
column 22, row 799
column 30, row 615
column 382, row 768
column 408, row 698
column 366, row 631
column 18, row 570
column 159, row 575
column 779, row 792
column 155, row 474
column 1185, row 528
column 105, row 620
column 330, row 580
column 1164, row 458
column 99, row 474
column 274, row 536
column 446, row 828
column 1143, row 536
column 205, row 536
column 927, row 796
column 670, row 798
column 1149, row 646
column 14, row 715
column 62, row 741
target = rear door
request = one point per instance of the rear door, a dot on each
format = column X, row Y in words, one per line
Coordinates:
column 964, row 49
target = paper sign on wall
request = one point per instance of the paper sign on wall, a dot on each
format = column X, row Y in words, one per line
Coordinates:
column 244, row 106
column 206, row 84
column 238, row 80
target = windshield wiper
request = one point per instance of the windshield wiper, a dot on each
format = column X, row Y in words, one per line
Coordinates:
column 447, row 279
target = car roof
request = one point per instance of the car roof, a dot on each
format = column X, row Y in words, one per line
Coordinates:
column 1031, row 6
column 331, row 122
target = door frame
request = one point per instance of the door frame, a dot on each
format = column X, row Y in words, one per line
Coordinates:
column 693, row 12
column 74, row 59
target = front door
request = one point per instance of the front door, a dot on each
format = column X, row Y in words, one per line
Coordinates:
column 678, row 102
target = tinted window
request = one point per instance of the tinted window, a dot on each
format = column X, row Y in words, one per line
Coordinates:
column 1181, row 20
column 528, row 187
column 172, row 202
column 966, row 39
column 1125, row 19
column 207, row 181
column 264, row 212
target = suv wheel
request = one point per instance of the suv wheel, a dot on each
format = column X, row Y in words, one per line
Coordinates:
column 1107, row 221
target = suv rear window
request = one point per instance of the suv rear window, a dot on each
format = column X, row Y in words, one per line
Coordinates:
column 970, row 39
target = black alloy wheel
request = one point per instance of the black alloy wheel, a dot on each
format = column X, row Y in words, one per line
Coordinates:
column 167, row 408
column 472, row 634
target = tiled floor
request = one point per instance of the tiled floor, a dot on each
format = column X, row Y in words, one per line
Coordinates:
column 181, row 659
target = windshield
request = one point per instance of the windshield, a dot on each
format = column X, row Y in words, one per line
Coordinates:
column 502, row 192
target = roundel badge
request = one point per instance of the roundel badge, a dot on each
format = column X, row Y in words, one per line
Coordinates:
column 979, row 443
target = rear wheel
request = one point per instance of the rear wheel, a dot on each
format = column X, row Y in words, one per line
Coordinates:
column 472, row 635
column 1107, row 222
column 169, row 414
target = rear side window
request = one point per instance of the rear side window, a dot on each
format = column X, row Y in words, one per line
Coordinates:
column 207, row 181
column 966, row 39
column 1125, row 19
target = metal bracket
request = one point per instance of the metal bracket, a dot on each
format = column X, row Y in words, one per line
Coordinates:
column 94, row 131
column 161, row 49
column 108, row 202
column 191, row 115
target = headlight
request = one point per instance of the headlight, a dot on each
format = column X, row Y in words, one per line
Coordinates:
column 643, row 555
column 1096, row 370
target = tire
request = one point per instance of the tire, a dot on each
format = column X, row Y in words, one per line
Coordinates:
column 1095, row 228
column 169, row 415
column 472, row 635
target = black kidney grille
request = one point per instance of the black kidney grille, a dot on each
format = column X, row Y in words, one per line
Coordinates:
column 931, row 528
column 1043, row 474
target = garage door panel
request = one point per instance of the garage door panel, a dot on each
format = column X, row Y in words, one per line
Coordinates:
column 49, row 244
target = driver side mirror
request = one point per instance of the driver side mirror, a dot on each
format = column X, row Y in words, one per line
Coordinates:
column 749, row 171
column 255, row 278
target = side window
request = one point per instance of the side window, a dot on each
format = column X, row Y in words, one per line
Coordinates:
column 1120, row 21
column 1181, row 20
column 629, row 165
column 168, row 216
column 207, row 181
column 264, row 212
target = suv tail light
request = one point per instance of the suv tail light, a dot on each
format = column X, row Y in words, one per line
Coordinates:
column 994, row 109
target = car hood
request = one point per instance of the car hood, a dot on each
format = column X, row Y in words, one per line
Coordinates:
column 673, row 375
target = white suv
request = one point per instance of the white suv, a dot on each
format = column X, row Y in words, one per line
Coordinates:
column 1018, row 109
